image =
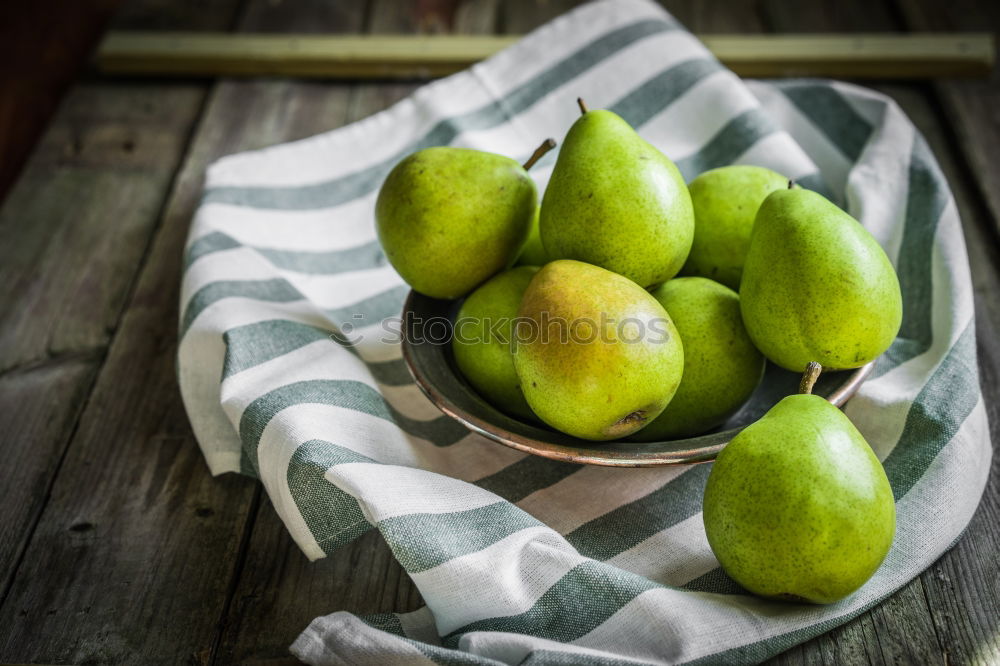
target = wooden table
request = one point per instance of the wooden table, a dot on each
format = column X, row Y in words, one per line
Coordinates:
column 118, row 547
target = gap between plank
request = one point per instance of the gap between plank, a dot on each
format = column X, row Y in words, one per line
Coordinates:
column 234, row 580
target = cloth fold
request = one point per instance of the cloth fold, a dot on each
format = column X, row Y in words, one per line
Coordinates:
column 290, row 370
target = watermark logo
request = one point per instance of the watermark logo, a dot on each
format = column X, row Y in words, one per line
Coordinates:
column 508, row 331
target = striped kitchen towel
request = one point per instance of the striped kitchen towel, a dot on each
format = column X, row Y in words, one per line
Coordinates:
column 290, row 370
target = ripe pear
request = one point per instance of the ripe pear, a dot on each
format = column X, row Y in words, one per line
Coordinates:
column 533, row 253
column 797, row 506
column 449, row 218
column 816, row 285
column 721, row 365
column 597, row 356
column 617, row 202
column 483, row 340
column 725, row 202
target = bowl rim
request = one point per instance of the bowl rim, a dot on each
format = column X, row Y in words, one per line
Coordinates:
column 584, row 454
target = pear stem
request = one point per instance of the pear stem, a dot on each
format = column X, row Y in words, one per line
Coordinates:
column 809, row 377
column 546, row 146
column 791, row 183
column 582, row 105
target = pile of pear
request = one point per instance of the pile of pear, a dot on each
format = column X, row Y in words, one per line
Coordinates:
column 633, row 305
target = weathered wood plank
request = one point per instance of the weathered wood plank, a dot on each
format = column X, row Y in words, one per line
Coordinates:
column 38, row 407
column 701, row 16
column 904, row 627
column 128, row 561
column 109, row 156
column 279, row 591
column 73, row 234
column 970, row 106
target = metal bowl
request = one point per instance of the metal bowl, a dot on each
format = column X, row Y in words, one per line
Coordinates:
column 427, row 353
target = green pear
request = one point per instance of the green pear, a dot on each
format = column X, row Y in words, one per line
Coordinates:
column 533, row 253
column 483, row 340
column 721, row 365
column 617, row 202
column 725, row 202
column 449, row 218
column 797, row 506
column 597, row 356
column 816, row 285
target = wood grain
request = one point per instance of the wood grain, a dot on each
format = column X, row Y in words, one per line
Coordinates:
column 187, row 15
column 523, row 17
column 110, row 155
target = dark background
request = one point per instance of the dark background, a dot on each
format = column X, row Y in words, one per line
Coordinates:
column 43, row 45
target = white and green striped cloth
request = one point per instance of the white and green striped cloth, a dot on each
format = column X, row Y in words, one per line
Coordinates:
column 287, row 374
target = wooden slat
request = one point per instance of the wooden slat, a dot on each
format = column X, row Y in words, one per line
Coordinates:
column 848, row 17
column 73, row 233
column 854, row 56
column 860, row 56
column 131, row 558
column 522, row 17
column 132, row 511
column 110, row 154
